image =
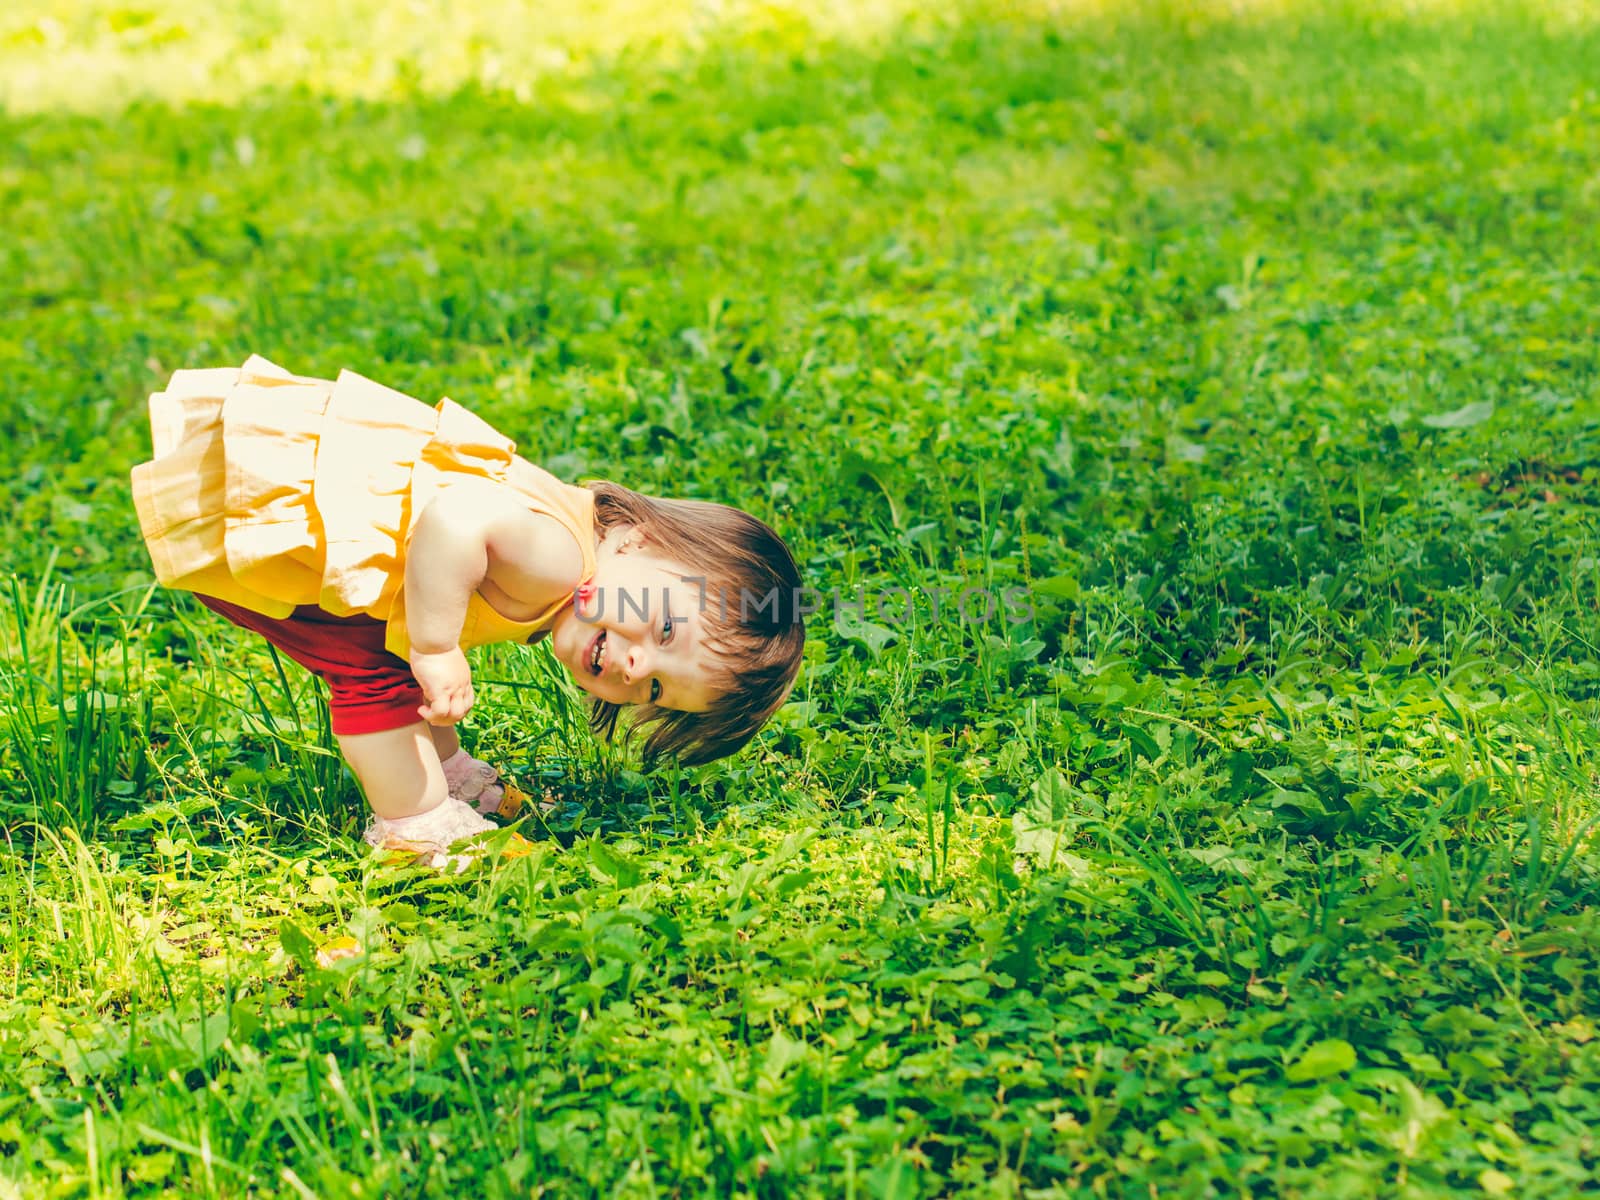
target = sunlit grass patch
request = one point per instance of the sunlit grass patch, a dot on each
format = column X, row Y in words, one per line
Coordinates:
column 89, row 56
column 94, row 56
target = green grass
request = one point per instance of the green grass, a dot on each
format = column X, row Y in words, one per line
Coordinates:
column 1256, row 342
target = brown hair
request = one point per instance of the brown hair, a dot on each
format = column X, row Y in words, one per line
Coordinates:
column 751, row 617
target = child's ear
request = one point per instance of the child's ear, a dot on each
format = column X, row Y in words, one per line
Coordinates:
column 622, row 538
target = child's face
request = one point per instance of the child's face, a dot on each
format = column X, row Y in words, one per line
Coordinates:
column 638, row 636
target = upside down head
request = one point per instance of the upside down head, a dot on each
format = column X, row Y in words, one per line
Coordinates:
column 693, row 615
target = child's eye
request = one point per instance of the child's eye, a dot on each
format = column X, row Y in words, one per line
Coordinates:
column 655, row 690
column 666, row 628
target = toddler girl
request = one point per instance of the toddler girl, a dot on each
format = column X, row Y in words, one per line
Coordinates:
column 374, row 539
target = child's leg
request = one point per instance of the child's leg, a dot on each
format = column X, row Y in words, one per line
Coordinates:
column 374, row 702
column 445, row 740
column 470, row 780
column 411, row 809
column 399, row 770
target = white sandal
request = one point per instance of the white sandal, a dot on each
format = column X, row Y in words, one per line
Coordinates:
column 475, row 782
column 430, row 835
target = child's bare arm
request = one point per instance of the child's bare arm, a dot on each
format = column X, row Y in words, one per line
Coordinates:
column 467, row 535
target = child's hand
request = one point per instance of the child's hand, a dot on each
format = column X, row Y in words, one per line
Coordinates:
column 446, row 682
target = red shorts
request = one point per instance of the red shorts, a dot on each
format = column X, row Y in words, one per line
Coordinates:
column 371, row 689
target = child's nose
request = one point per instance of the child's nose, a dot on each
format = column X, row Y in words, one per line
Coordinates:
column 633, row 664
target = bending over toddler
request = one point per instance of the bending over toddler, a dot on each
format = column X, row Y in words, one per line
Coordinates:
column 374, row 540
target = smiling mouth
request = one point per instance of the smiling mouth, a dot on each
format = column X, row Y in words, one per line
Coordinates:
column 597, row 654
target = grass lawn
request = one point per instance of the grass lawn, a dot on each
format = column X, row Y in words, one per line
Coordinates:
column 1250, row 849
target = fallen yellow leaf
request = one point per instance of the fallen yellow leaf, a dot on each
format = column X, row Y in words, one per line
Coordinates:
column 517, row 847
column 342, row 947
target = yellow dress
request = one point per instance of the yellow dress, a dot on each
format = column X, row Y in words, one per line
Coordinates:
column 271, row 491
